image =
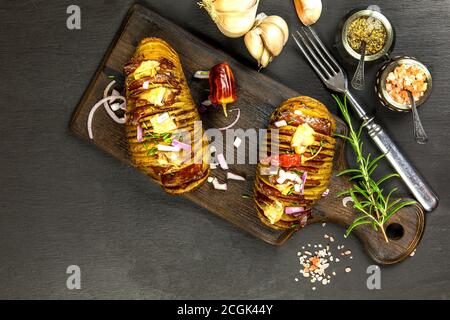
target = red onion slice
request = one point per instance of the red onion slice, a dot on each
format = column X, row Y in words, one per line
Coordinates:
column 181, row 145
column 304, row 176
column 293, row 210
column 346, row 200
column 163, row 147
column 221, row 159
column 139, row 133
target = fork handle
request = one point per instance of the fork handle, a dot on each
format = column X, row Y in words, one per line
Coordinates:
column 410, row 176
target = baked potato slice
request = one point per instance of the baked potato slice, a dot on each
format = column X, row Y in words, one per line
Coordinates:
column 300, row 163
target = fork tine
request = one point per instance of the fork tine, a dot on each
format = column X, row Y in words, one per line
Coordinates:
column 307, row 56
column 324, row 49
column 313, row 43
column 313, row 54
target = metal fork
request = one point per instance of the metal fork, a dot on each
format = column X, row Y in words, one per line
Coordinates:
column 334, row 77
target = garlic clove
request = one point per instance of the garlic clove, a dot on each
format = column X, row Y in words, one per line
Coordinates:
column 308, row 11
column 234, row 5
column 233, row 18
column 254, row 43
column 266, row 58
column 281, row 23
column 234, row 25
column 259, row 18
column 273, row 37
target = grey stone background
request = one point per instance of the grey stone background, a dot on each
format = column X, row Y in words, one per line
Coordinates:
column 64, row 202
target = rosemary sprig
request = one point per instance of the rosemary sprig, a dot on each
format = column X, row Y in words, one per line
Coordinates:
column 368, row 197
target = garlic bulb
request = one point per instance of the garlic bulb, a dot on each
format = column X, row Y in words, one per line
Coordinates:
column 234, row 18
column 267, row 38
column 308, row 11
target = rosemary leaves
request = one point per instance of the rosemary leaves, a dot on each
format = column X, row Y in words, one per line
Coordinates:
column 368, row 196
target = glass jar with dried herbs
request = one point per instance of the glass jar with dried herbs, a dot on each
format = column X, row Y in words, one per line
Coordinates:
column 367, row 29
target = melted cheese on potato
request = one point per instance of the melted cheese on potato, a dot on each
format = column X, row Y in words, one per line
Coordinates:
column 163, row 123
column 302, row 138
column 274, row 211
column 147, row 68
column 155, row 96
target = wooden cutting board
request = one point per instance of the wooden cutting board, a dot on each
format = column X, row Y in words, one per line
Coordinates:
column 258, row 96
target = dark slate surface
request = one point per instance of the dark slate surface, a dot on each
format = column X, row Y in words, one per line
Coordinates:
column 63, row 202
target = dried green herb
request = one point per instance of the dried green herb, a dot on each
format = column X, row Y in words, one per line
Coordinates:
column 367, row 29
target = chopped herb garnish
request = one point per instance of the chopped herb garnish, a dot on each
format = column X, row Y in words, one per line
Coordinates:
column 291, row 191
column 323, row 143
column 166, row 137
column 298, row 172
column 245, row 196
column 152, row 151
column 151, row 136
column 313, row 151
column 111, row 77
column 294, row 226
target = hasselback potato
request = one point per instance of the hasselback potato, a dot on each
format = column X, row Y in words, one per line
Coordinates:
column 160, row 119
column 299, row 164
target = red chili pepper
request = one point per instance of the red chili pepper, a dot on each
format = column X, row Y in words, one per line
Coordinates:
column 222, row 86
column 290, row 160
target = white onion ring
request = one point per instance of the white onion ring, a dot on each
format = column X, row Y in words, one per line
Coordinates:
column 235, row 121
column 95, row 107
column 108, row 107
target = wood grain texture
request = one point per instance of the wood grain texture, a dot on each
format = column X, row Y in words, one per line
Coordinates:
column 63, row 202
column 258, row 97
